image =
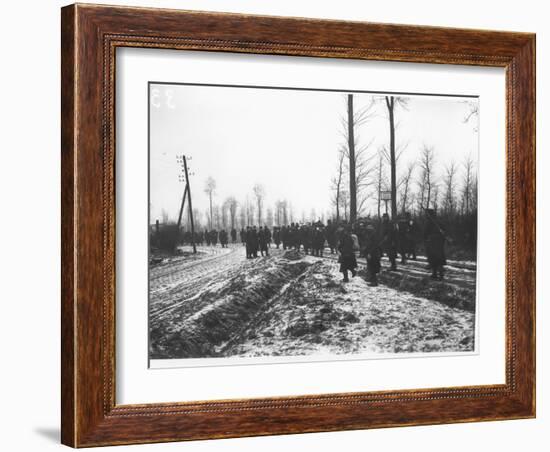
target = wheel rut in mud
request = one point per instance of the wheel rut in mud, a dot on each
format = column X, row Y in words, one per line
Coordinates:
column 228, row 308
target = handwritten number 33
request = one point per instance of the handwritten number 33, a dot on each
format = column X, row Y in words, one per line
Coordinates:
column 156, row 98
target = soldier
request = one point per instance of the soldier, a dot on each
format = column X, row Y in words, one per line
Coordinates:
column 207, row 237
column 263, row 235
column 361, row 231
column 252, row 242
column 243, row 236
column 412, row 232
column 233, row 235
column 277, row 236
column 214, row 237
column 347, row 259
column 268, row 236
column 305, row 238
column 318, row 240
column 298, row 239
column 371, row 250
column 402, row 234
column 330, row 235
column 290, row 236
column 291, row 232
column 223, row 238
column 247, row 242
column 389, row 240
column 434, row 239
column 284, row 237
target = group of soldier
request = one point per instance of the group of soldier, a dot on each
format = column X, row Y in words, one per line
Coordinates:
column 391, row 238
column 310, row 236
column 210, row 238
column 256, row 240
column 372, row 239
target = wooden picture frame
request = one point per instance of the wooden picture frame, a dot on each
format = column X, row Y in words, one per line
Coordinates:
column 90, row 35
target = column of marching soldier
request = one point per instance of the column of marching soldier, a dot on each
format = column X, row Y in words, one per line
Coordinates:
column 372, row 239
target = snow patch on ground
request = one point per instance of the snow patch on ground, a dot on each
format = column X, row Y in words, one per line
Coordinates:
column 289, row 304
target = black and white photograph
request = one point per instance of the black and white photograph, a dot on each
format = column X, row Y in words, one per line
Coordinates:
column 291, row 224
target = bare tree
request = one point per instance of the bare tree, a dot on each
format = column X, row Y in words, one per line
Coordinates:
column 242, row 216
column 217, row 216
column 284, row 207
column 249, row 212
column 351, row 154
column 472, row 113
column 467, row 184
column 279, row 212
column 196, row 219
column 405, row 184
column 364, row 169
column 380, row 180
column 436, row 193
column 449, row 197
column 210, row 189
column 473, row 192
column 391, row 103
column 345, row 204
column 207, row 214
column 232, row 204
column 337, row 183
column 426, row 181
column 269, row 217
column 224, row 213
column 259, row 194
column 354, row 153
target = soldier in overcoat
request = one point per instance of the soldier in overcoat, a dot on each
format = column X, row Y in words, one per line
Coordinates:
column 252, row 241
column 434, row 241
column 247, row 242
column 284, row 237
column 370, row 244
column 277, row 236
column 347, row 259
column 263, row 235
column 389, row 240
column 330, row 235
column 223, row 238
column 318, row 242
column 268, row 236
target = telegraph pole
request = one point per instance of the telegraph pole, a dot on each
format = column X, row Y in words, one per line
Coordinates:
column 182, row 205
column 186, row 195
column 188, row 186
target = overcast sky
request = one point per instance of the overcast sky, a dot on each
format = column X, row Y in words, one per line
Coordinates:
column 287, row 140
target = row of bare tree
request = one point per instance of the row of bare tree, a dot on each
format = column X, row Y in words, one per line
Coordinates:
column 362, row 176
column 232, row 213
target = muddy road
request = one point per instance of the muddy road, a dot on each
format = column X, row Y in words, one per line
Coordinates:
column 219, row 304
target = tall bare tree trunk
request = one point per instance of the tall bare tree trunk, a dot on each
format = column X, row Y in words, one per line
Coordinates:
column 351, row 148
column 390, row 103
column 379, row 199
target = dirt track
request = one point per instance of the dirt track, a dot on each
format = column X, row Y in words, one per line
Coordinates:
column 218, row 303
